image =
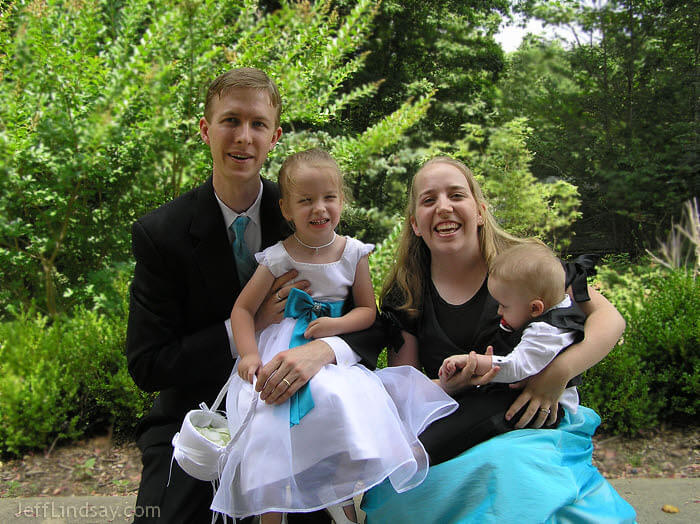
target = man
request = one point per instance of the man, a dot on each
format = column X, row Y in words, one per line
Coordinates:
column 179, row 339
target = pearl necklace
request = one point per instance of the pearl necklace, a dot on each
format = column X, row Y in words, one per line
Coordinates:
column 315, row 247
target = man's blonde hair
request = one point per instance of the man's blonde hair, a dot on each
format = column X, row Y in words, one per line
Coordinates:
column 532, row 268
column 245, row 77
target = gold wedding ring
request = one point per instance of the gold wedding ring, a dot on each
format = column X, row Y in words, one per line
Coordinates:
column 279, row 298
column 289, row 384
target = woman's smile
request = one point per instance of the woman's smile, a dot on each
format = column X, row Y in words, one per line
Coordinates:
column 447, row 228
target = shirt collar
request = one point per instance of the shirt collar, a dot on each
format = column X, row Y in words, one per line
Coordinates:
column 253, row 212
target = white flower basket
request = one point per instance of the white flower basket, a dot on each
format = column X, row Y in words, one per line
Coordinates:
column 198, row 456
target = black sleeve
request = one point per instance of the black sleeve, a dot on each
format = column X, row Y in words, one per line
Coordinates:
column 385, row 332
column 159, row 353
column 369, row 342
column 577, row 273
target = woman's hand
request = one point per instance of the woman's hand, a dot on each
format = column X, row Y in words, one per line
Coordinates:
column 271, row 311
column 541, row 394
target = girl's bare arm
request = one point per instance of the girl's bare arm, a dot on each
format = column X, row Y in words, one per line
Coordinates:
column 360, row 317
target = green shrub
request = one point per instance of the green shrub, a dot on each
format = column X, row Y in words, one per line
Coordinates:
column 618, row 389
column 665, row 331
column 626, row 283
column 64, row 377
column 654, row 374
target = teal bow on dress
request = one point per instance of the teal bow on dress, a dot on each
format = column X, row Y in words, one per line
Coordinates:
column 305, row 309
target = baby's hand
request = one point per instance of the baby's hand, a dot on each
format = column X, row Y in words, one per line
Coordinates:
column 322, row 327
column 249, row 366
column 452, row 365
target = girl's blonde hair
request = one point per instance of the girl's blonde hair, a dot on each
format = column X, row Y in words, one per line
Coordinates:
column 532, row 268
column 413, row 256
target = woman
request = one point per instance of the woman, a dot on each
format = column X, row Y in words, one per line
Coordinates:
column 437, row 295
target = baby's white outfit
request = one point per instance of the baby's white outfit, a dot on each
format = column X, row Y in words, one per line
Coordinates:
column 539, row 344
column 363, row 428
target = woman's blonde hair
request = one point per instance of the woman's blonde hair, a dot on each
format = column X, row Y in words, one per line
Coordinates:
column 413, row 256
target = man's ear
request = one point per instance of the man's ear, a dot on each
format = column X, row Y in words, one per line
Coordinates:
column 536, row 308
column 276, row 137
column 204, row 130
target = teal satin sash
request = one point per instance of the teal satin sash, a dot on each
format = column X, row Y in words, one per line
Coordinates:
column 305, row 309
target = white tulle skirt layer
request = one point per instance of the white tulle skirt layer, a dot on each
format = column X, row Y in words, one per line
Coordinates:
column 363, row 429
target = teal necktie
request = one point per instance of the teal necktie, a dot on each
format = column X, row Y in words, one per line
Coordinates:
column 245, row 263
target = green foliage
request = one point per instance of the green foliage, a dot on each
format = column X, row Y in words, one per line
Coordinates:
column 99, row 108
column 618, row 390
column 500, row 160
column 665, row 331
column 445, row 45
column 614, row 112
column 60, row 377
column 384, row 257
column 653, row 375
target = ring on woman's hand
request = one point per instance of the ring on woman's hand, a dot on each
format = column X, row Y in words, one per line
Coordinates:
column 289, row 384
column 548, row 411
column 277, row 294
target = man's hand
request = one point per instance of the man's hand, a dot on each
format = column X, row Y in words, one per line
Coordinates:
column 289, row 370
column 271, row 311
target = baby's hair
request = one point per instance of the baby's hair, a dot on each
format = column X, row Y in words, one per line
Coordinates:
column 532, row 267
column 245, row 77
column 314, row 157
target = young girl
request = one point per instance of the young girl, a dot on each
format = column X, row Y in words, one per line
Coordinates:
column 342, row 432
column 528, row 282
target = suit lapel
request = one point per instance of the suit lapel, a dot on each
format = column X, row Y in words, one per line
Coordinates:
column 212, row 250
column 271, row 219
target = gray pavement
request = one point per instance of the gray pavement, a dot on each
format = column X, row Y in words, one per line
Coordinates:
column 646, row 495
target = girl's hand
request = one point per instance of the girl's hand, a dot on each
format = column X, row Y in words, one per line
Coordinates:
column 541, row 394
column 322, row 327
column 249, row 366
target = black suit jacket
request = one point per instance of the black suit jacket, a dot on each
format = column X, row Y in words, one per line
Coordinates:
column 185, row 284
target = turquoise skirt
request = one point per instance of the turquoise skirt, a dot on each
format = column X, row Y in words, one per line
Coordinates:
column 523, row 476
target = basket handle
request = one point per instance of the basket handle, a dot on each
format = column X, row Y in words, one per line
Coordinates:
column 220, row 396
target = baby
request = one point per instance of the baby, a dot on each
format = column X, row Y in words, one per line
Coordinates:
column 528, row 282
